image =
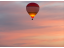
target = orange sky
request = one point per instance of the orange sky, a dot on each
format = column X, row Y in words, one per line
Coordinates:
column 18, row 30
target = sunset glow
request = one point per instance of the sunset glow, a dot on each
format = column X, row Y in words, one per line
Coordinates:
column 18, row 30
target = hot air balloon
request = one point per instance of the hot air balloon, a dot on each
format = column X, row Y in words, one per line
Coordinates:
column 32, row 9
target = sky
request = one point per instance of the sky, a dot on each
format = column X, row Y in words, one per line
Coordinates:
column 18, row 30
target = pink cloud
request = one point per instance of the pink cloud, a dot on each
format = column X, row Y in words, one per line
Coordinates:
column 16, row 28
column 42, row 5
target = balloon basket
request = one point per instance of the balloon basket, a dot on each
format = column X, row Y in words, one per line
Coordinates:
column 32, row 18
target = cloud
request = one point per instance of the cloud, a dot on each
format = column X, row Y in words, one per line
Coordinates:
column 4, row 3
column 19, row 44
column 17, row 28
column 6, row 46
column 15, row 17
column 32, row 37
column 50, row 4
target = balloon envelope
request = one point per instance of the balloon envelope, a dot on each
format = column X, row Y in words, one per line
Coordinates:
column 32, row 9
